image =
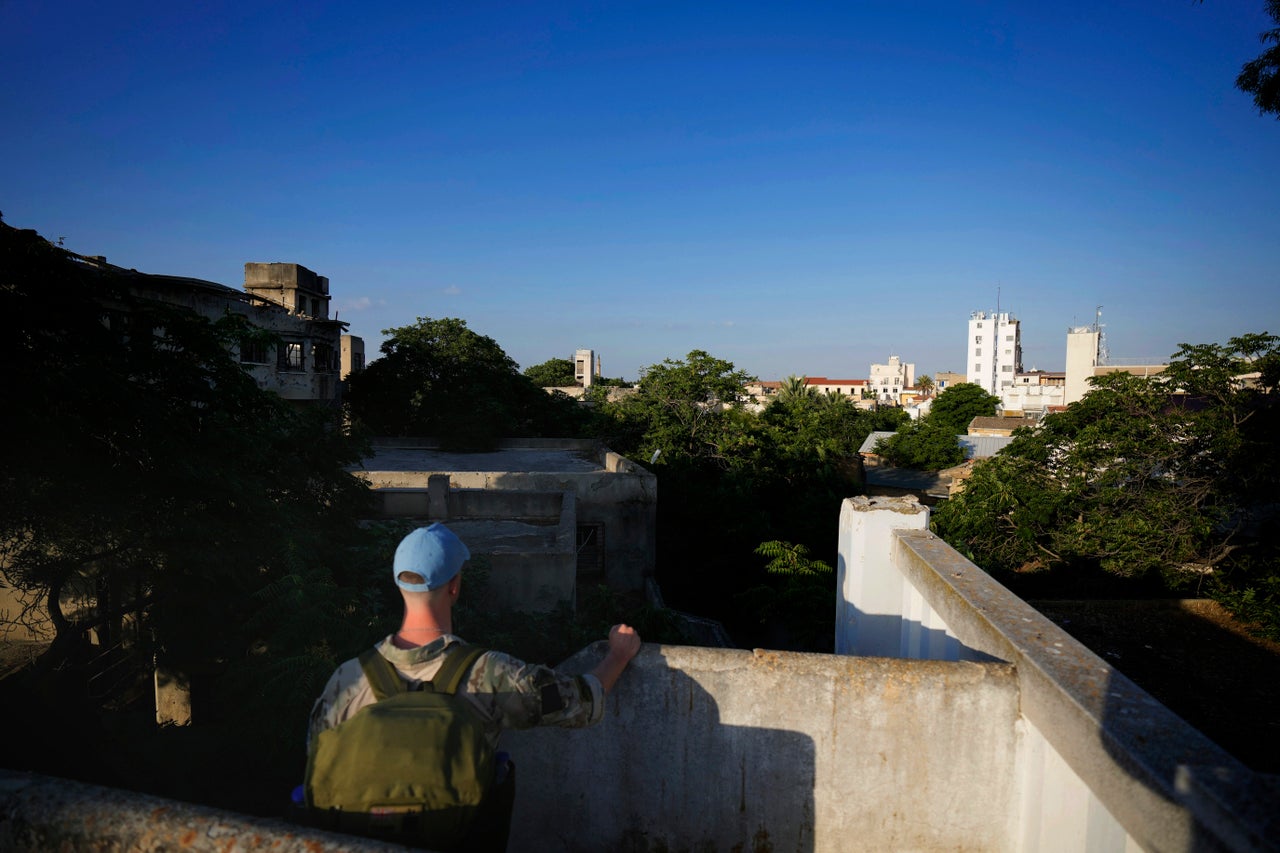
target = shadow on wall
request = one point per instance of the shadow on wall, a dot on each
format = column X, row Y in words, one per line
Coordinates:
column 663, row 771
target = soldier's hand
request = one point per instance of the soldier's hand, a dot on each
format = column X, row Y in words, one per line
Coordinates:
column 624, row 642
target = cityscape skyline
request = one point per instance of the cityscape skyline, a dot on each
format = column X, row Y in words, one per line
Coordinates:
column 797, row 190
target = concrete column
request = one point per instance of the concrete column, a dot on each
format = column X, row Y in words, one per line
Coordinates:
column 869, row 610
column 438, row 497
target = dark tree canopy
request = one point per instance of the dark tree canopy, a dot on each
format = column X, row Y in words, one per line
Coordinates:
column 437, row 378
column 925, row 445
column 146, row 472
column 685, row 409
column 929, row 444
column 1261, row 77
column 553, row 373
column 1169, row 477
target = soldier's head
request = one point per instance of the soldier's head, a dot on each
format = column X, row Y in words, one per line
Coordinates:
column 428, row 563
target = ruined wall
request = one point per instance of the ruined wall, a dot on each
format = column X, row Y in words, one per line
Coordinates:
column 620, row 496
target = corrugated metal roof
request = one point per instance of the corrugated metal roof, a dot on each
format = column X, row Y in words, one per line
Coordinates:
column 869, row 446
column 983, row 446
column 974, row 446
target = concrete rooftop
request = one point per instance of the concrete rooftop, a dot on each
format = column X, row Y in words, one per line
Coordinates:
column 525, row 459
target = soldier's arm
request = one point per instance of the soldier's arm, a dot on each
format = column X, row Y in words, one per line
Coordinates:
column 624, row 643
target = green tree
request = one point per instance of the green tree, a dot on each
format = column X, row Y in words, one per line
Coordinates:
column 958, row 405
column 437, row 378
column 1171, row 478
column 794, row 387
column 553, row 373
column 690, row 409
column 1261, row 77
column 925, row 384
column 796, row 600
column 924, row 444
column 929, row 444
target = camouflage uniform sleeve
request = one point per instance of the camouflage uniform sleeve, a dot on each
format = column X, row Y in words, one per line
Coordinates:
column 520, row 696
column 346, row 692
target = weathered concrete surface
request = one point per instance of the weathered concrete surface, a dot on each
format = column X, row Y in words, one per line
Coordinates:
column 1168, row 785
column 42, row 813
column 613, row 495
column 712, row 749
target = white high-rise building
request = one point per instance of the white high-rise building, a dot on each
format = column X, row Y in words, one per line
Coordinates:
column 994, row 350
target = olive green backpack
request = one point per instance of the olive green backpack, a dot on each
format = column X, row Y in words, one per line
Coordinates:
column 413, row 767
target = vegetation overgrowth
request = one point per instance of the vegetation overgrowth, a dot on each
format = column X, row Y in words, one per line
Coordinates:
column 1166, row 481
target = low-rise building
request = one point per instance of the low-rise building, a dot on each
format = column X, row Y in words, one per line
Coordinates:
column 1034, row 392
column 853, row 388
column 944, row 379
column 888, row 381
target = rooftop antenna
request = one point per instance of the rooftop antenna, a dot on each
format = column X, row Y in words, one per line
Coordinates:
column 1103, row 356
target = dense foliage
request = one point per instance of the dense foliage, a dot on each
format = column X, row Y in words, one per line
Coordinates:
column 730, row 478
column 1170, row 478
column 438, row 378
column 553, row 373
column 150, row 490
column 929, row 444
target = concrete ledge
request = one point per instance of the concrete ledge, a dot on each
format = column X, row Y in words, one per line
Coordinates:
column 1165, row 782
column 42, row 813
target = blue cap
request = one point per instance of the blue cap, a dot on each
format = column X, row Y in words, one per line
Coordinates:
column 434, row 552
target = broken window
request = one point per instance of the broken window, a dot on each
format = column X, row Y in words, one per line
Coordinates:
column 290, row 356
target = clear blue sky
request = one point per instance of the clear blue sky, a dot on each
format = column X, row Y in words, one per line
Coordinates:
column 797, row 188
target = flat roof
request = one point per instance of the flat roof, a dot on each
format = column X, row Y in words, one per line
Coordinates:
column 525, row 459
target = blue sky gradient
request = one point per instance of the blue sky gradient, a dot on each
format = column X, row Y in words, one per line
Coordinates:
column 797, row 188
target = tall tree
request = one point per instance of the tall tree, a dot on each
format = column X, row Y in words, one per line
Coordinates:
column 925, row 445
column 438, row 378
column 688, row 409
column 1169, row 477
column 929, row 444
column 552, row 373
column 958, row 405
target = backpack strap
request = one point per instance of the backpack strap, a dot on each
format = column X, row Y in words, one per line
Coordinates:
column 382, row 676
column 457, row 661
column 385, row 681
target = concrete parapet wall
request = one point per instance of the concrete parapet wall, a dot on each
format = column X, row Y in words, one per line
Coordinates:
column 41, row 813
column 712, row 749
column 1102, row 765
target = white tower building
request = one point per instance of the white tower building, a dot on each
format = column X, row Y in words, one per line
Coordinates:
column 994, row 350
column 1084, row 353
column 585, row 367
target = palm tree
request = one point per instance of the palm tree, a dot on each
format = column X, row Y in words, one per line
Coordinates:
column 796, row 388
column 925, row 384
